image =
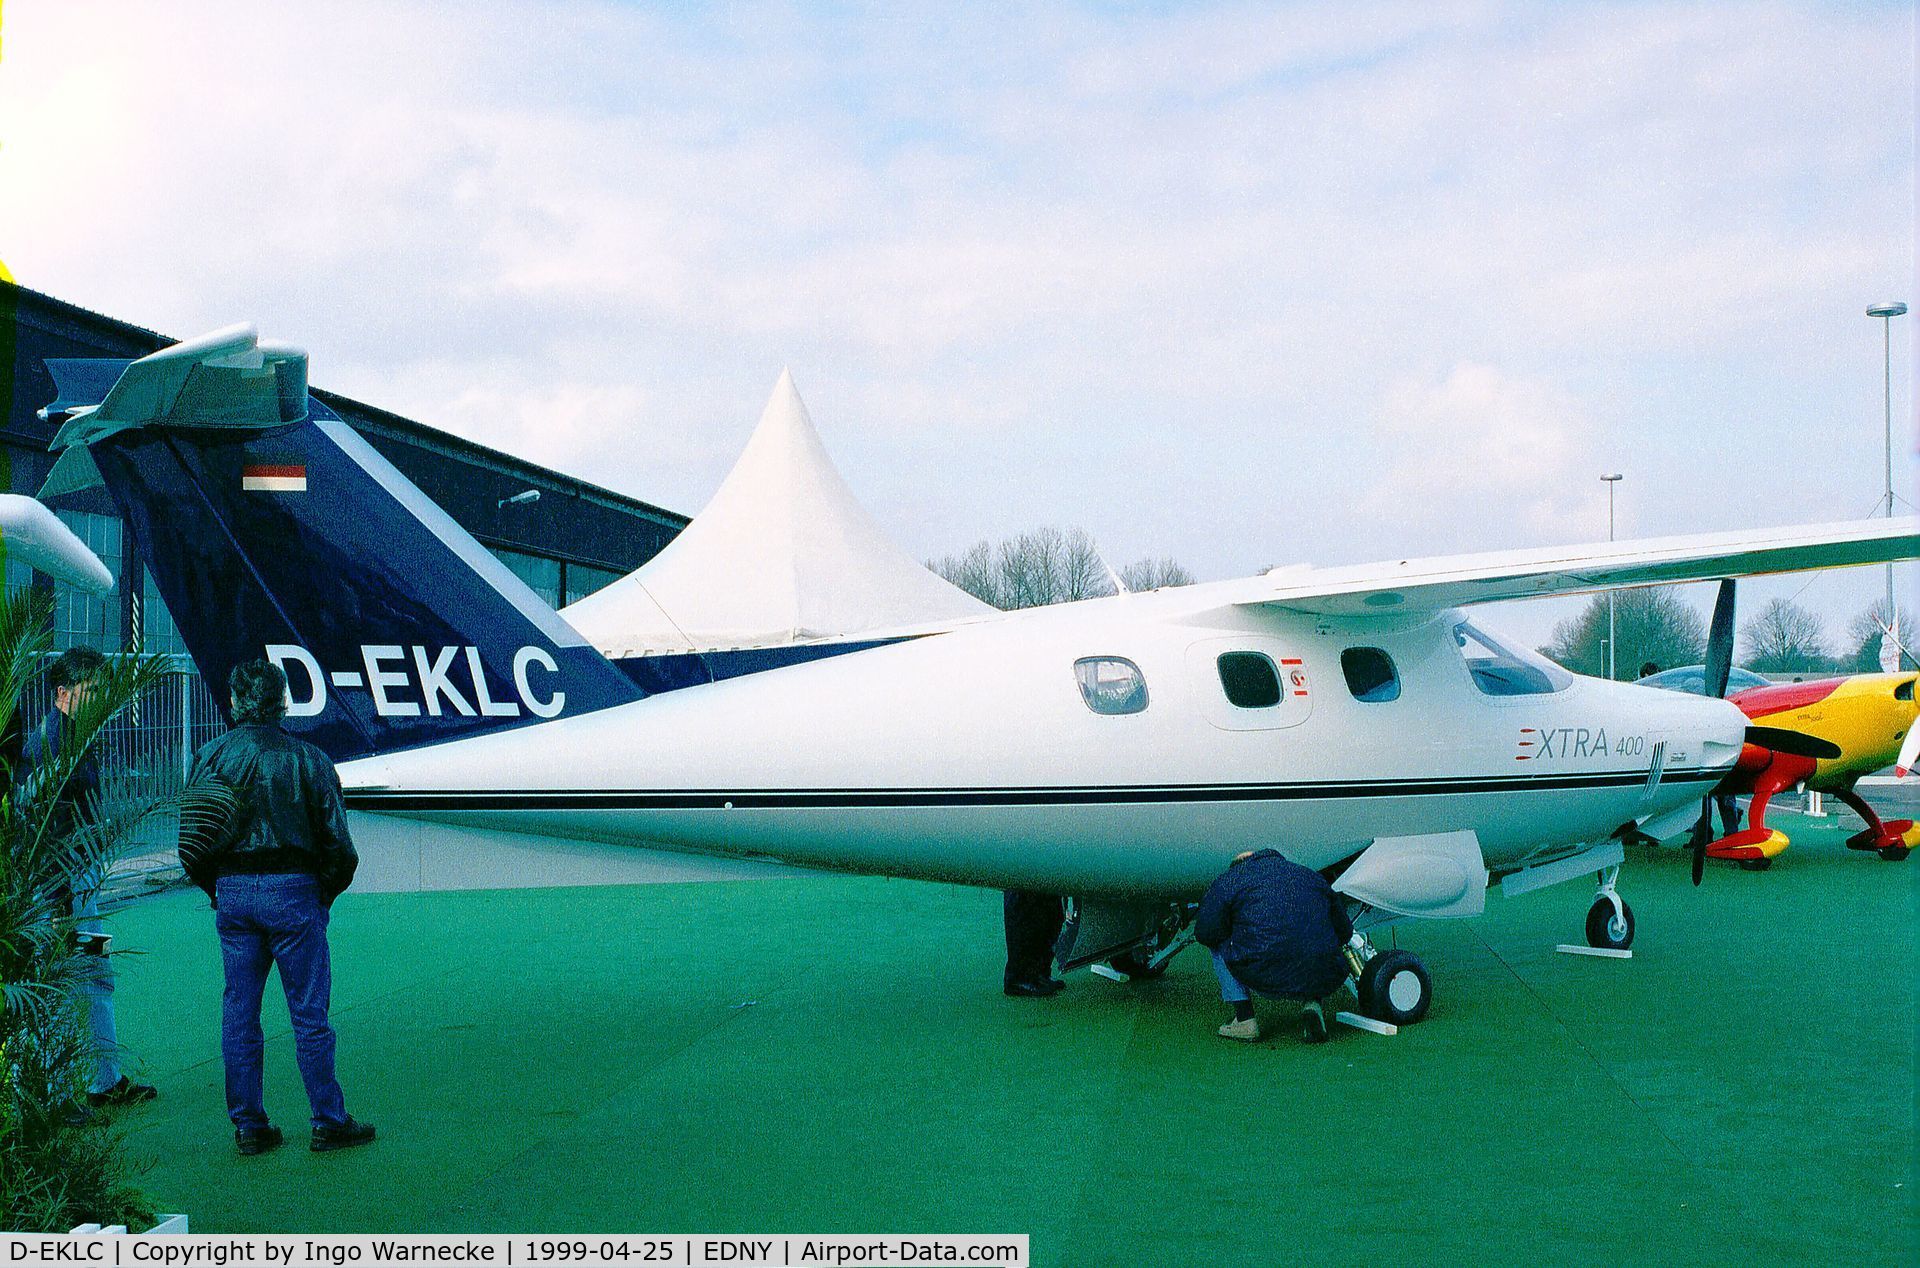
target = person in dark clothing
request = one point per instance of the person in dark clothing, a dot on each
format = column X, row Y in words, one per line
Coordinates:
column 1276, row 929
column 273, row 873
column 1729, row 813
column 1033, row 924
column 72, row 677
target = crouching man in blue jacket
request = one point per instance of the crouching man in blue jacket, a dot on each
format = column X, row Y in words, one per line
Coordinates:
column 1276, row 929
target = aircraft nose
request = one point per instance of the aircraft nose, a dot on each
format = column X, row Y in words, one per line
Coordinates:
column 1720, row 727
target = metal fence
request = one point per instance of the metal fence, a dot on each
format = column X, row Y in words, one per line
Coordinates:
column 143, row 753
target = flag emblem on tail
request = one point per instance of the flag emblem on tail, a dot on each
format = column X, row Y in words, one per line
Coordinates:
column 277, row 477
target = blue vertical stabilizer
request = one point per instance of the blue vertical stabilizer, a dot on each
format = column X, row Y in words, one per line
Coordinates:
column 298, row 541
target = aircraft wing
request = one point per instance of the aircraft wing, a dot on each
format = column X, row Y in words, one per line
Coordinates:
column 1458, row 580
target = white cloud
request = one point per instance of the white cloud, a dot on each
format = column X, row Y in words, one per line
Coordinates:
column 1520, row 447
column 1186, row 277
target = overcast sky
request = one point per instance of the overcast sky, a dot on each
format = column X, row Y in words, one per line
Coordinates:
column 1245, row 285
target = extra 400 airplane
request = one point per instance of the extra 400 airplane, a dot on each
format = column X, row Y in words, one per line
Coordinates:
column 1119, row 750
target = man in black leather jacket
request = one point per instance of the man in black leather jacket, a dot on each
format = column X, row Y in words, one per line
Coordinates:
column 273, row 873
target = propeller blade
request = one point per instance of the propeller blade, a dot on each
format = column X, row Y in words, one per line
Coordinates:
column 1702, row 833
column 1795, row 743
column 1720, row 642
column 1909, row 753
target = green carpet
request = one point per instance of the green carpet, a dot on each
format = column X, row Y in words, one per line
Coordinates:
column 834, row 1054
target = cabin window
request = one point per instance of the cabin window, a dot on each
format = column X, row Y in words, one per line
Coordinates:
column 1502, row 670
column 1250, row 680
column 1371, row 676
column 1904, row 691
column 1111, row 684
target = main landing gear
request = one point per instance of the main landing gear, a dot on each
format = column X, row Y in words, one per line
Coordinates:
column 1891, row 839
column 1393, row 986
column 1609, row 920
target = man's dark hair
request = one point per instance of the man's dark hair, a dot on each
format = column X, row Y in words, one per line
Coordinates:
column 259, row 692
column 75, row 666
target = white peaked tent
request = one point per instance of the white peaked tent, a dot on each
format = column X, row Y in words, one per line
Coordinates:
column 783, row 554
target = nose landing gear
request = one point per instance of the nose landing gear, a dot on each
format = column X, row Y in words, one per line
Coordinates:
column 1609, row 920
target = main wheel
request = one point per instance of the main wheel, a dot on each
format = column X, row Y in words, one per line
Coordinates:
column 1137, row 964
column 1394, row 987
column 1608, row 929
column 1894, row 853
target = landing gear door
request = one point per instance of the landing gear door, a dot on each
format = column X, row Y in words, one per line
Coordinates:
column 1437, row 876
column 1102, row 930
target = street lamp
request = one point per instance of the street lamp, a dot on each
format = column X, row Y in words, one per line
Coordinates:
column 1886, row 313
column 521, row 498
column 1611, row 480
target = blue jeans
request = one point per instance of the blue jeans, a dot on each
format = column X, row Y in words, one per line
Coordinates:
column 1233, row 991
column 97, row 989
column 264, row 921
column 1230, row 988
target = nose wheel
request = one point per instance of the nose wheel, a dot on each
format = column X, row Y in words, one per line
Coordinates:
column 1610, row 919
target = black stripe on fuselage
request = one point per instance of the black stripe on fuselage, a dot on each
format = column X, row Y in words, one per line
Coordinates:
column 863, row 798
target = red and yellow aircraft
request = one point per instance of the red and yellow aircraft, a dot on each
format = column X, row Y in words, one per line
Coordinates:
column 1855, row 724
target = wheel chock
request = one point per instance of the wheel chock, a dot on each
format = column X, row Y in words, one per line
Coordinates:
column 1610, row 953
column 1367, row 1023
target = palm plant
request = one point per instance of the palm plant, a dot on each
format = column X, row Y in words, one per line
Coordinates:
column 58, row 1166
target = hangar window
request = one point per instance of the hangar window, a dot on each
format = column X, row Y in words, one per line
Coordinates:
column 80, row 616
column 1371, row 676
column 1250, row 680
column 1502, row 670
column 1111, row 684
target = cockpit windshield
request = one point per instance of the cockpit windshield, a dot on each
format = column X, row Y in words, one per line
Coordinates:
column 1500, row 669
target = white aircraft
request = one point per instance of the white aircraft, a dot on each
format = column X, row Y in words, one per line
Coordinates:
column 1119, row 750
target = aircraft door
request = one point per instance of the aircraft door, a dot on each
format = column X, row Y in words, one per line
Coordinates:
column 1250, row 683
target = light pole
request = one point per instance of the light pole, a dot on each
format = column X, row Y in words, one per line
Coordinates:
column 1886, row 313
column 1611, row 481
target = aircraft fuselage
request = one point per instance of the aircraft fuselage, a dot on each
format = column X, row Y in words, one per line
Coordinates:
column 974, row 756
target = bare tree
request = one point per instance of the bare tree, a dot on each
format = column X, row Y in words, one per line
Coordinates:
column 1047, row 565
column 1784, row 637
column 1032, row 568
column 1860, row 652
column 1083, row 573
column 1653, row 625
column 973, row 571
column 1151, row 574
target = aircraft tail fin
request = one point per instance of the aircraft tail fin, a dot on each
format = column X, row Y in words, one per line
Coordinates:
column 273, row 528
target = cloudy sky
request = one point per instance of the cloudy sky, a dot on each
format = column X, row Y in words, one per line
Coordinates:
column 1241, row 284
